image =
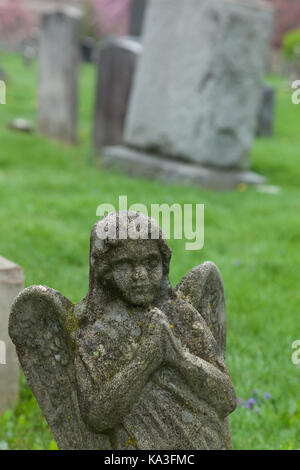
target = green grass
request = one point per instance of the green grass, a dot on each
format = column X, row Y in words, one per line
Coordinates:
column 49, row 194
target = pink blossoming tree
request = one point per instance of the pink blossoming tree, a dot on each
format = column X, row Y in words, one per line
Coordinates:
column 14, row 19
column 111, row 16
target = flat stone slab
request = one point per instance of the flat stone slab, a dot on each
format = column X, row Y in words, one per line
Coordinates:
column 266, row 113
column 142, row 164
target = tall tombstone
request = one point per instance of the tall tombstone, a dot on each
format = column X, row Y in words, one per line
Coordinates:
column 59, row 58
column 197, row 92
column 137, row 15
column 116, row 67
column 11, row 283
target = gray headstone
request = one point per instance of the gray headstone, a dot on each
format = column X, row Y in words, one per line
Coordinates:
column 137, row 15
column 59, row 57
column 29, row 50
column 266, row 112
column 116, row 67
column 198, row 82
column 136, row 364
column 11, row 283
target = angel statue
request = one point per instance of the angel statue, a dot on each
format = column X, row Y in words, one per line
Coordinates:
column 136, row 364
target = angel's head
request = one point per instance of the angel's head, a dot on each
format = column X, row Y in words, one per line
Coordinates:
column 129, row 258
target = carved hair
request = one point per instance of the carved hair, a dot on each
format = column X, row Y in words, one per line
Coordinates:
column 105, row 236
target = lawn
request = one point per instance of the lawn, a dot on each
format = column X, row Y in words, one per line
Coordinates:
column 49, row 194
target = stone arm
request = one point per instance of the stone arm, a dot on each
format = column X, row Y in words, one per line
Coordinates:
column 210, row 381
column 104, row 403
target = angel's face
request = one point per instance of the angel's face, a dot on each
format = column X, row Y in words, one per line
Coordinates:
column 137, row 271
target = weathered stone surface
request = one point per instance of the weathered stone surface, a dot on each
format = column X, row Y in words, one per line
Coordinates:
column 146, row 165
column 136, row 364
column 266, row 112
column 137, row 15
column 11, row 283
column 59, row 56
column 116, row 67
column 198, row 82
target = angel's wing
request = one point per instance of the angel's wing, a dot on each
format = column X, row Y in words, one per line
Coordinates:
column 203, row 288
column 42, row 326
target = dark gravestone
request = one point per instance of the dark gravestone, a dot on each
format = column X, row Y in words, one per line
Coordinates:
column 87, row 49
column 138, row 9
column 266, row 112
column 116, row 67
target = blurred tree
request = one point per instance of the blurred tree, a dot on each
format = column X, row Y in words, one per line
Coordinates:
column 14, row 19
column 287, row 17
column 111, row 16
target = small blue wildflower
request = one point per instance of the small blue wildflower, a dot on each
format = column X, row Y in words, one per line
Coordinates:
column 268, row 396
column 250, row 403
